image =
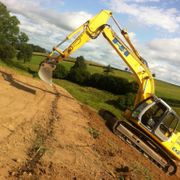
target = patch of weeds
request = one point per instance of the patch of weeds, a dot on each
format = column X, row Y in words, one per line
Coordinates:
column 93, row 132
column 121, row 178
column 38, row 145
column 123, row 172
column 141, row 170
column 35, row 153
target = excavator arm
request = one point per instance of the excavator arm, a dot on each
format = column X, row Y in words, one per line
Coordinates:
column 91, row 30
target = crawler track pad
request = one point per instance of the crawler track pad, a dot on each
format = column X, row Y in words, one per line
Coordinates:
column 45, row 72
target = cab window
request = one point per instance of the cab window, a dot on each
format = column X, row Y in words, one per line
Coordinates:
column 140, row 108
column 153, row 115
column 169, row 124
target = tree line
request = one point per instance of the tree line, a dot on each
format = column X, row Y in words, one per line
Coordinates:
column 116, row 85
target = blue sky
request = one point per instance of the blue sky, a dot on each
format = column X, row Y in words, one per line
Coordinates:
column 153, row 25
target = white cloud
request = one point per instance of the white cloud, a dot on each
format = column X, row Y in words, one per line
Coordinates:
column 163, row 59
column 41, row 14
column 167, row 19
column 142, row 1
column 166, row 49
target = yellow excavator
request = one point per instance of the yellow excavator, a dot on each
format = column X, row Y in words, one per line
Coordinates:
column 152, row 127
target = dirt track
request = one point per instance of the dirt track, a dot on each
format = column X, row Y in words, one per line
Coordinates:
column 47, row 134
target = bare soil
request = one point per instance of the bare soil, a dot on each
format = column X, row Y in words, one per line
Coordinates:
column 47, row 134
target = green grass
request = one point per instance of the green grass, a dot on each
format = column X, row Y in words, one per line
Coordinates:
column 21, row 71
column 177, row 110
column 95, row 98
column 67, row 65
column 167, row 90
column 33, row 64
column 141, row 170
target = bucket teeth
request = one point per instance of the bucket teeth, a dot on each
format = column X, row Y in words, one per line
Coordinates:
column 46, row 71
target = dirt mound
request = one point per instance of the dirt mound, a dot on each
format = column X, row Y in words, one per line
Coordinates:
column 47, row 134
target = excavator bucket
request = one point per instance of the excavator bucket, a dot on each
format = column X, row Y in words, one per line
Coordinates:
column 45, row 72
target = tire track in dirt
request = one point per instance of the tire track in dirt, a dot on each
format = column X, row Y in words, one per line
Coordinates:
column 36, row 152
column 24, row 103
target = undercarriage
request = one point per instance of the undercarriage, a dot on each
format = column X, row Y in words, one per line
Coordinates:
column 141, row 142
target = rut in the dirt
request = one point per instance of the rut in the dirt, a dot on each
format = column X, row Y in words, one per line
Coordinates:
column 38, row 148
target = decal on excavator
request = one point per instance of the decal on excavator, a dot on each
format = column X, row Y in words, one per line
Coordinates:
column 121, row 47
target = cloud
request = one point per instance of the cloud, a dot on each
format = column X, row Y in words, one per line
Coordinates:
column 167, row 19
column 165, row 49
column 44, row 25
column 163, row 59
column 41, row 14
column 142, row 1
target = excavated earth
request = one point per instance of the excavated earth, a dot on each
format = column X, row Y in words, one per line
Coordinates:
column 45, row 133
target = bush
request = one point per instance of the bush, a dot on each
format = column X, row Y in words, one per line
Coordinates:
column 133, row 86
column 112, row 84
column 60, row 72
column 78, row 75
column 126, row 101
column 7, row 52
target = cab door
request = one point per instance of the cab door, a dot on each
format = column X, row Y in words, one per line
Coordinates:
column 167, row 126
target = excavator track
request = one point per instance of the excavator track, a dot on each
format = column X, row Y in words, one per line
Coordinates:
column 145, row 145
column 140, row 142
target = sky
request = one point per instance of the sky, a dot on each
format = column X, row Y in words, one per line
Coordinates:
column 153, row 26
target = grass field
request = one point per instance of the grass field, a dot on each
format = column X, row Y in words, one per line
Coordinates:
column 95, row 98
column 167, row 90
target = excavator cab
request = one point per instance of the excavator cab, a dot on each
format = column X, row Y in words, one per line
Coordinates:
column 157, row 117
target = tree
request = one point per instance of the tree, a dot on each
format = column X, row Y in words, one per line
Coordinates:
column 10, row 37
column 25, row 52
column 108, row 69
column 22, row 38
column 78, row 72
column 60, row 72
column 80, row 63
column 9, row 29
column 37, row 48
column 7, row 52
